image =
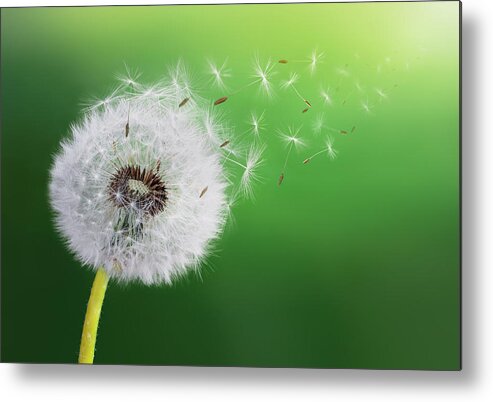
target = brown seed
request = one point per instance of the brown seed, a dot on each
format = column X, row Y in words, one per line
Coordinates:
column 183, row 102
column 224, row 144
column 343, row 132
column 158, row 165
column 221, row 100
column 204, row 190
column 283, row 61
column 308, row 103
column 127, row 129
column 305, row 110
column 281, row 178
column 306, row 161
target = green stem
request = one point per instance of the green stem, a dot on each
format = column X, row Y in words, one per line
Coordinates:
column 93, row 312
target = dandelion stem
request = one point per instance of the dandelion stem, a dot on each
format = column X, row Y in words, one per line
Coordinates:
column 91, row 321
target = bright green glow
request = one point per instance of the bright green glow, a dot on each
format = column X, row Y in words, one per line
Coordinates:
column 350, row 263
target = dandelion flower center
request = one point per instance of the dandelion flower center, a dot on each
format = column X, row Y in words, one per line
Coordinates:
column 140, row 189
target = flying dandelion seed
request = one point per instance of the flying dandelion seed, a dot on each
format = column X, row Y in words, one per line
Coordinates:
column 130, row 78
column 183, row 102
column 359, row 87
column 290, row 83
column 250, row 175
column 343, row 71
column 315, row 59
column 262, row 73
column 326, row 97
column 329, row 149
column 291, row 140
column 318, row 123
column 365, row 105
column 256, row 123
column 219, row 73
column 220, row 100
column 262, row 76
column 204, row 190
column 381, row 94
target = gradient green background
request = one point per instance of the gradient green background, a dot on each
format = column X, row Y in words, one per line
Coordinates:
column 352, row 263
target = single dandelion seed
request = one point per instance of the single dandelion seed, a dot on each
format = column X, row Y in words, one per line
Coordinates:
column 315, row 59
column 318, row 123
column 329, row 148
column 127, row 125
column 290, row 83
column 219, row 73
column 220, row 100
column 365, row 105
column 343, row 131
column 224, row 144
column 343, row 71
column 256, row 123
column 291, row 140
column 281, row 179
column 353, row 128
column 381, row 93
column 262, row 74
column 358, row 86
column 250, row 169
column 129, row 78
column 183, row 102
column 326, row 97
column 204, row 190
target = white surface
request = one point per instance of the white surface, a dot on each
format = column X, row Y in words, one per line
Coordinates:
column 474, row 383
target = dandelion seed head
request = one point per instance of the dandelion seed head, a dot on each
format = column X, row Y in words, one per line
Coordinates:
column 135, row 199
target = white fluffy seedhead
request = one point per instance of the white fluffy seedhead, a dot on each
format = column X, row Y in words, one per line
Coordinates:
column 139, row 188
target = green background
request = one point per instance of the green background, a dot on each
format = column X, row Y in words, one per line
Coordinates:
column 351, row 263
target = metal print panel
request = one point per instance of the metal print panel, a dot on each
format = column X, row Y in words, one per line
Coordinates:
column 272, row 185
